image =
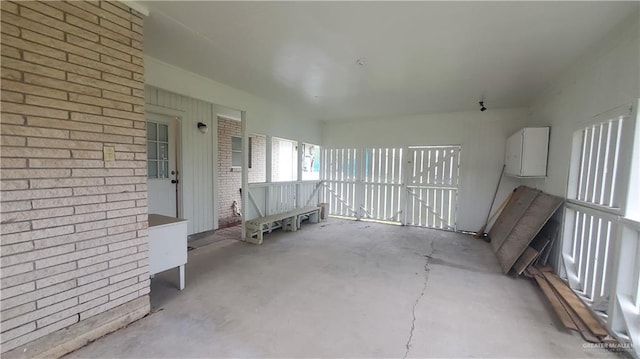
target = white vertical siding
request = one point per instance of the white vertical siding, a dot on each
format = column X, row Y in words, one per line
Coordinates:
column 197, row 168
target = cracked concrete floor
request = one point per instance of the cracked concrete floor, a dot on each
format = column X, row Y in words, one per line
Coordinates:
column 345, row 289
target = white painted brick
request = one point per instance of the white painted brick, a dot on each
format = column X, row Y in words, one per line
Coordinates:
column 127, row 227
column 70, row 238
column 83, row 191
column 37, row 314
column 111, row 304
column 127, row 290
column 51, row 261
column 35, row 295
column 106, row 273
column 69, row 201
column 134, row 257
column 66, row 182
column 12, row 185
column 103, row 240
column 108, row 289
column 10, row 249
column 126, row 212
column 37, row 214
column 32, row 275
column 17, row 332
column 133, row 273
column 17, row 290
column 70, row 275
column 6, row 346
column 17, row 269
column 104, row 206
column 73, row 311
column 8, row 228
column 36, row 255
column 41, row 303
column 6, row 207
column 42, row 233
column 133, row 242
column 17, row 311
column 61, row 221
column 109, row 223
column 36, row 194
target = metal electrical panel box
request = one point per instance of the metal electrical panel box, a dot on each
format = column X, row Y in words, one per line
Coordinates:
column 526, row 152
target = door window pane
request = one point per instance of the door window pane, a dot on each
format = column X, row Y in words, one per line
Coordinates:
column 163, row 134
column 157, row 150
column 152, row 132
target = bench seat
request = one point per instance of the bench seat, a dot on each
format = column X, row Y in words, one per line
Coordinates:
column 289, row 221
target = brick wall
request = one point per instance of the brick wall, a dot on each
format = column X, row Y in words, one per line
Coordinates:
column 258, row 170
column 74, row 237
column 229, row 179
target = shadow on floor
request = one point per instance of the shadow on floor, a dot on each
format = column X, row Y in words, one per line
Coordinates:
column 201, row 240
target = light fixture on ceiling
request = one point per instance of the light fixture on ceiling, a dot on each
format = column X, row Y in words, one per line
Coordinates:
column 203, row 127
column 482, row 108
column 361, row 61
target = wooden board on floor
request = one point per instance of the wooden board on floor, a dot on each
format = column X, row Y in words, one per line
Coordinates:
column 582, row 327
column 527, row 227
column 562, row 313
column 576, row 304
column 522, row 198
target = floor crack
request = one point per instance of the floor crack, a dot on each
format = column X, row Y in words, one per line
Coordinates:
column 427, row 269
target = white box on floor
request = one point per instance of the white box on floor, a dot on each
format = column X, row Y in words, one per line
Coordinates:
column 167, row 244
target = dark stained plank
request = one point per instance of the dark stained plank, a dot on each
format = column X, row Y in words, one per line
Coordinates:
column 562, row 313
column 576, row 304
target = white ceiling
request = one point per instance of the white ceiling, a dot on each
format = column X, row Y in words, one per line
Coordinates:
column 421, row 57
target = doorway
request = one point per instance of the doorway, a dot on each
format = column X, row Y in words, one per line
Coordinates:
column 163, row 164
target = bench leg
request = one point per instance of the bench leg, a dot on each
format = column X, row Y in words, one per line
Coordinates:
column 182, row 277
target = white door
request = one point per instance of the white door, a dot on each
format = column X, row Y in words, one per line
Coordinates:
column 162, row 165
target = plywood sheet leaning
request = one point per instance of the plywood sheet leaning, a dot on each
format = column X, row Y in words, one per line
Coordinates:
column 537, row 248
column 527, row 227
column 529, row 255
column 551, row 229
column 575, row 304
column 511, row 214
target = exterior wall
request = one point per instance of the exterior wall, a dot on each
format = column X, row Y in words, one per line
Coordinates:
column 482, row 136
column 258, row 170
column 605, row 78
column 74, row 227
column 197, row 155
column 229, row 178
column 263, row 116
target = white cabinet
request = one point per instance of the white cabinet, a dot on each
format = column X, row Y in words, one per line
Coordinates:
column 167, row 244
column 526, row 152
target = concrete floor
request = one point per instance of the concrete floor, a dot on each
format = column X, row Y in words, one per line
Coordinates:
column 345, row 289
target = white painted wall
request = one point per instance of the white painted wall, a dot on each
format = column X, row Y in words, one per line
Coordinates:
column 482, row 136
column 605, row 78
column 197, row 98
column 263, row 116
column 196, row 149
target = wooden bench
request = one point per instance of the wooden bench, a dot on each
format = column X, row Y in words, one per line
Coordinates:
column 289, row 221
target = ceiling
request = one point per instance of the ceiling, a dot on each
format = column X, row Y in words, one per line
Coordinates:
column 419, row 57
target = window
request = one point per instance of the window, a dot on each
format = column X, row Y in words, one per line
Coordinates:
column 236, row 151
column 157, row 150
column 310, row 162
column 596, row 196
column 284, row 160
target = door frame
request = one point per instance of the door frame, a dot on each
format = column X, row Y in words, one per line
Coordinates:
column 179, row 117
